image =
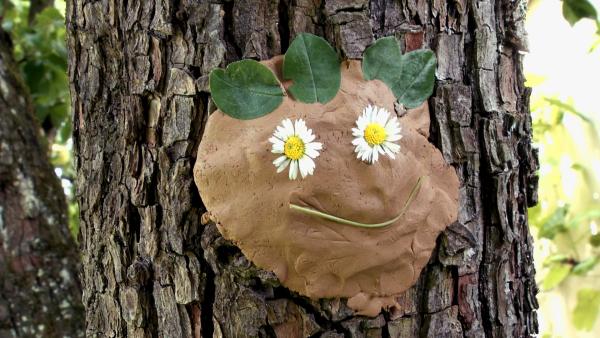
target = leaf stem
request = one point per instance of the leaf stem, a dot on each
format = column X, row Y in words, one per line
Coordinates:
column 413, row 193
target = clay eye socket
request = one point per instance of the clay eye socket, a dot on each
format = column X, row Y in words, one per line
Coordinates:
column 295, row 142
column 375, row 134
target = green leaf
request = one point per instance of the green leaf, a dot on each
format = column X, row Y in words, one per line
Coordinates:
column 555, row 276
column 555, row 223
column 314, row 67
column 245, row 90
column 416, row 79
column 410, row 76
column 553, row 259
column 381, row 61
column 584, row 216
column 585, row 266
column 565, row 107
column 575, row 10
column 586, row 310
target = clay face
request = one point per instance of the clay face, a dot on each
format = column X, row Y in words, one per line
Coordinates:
column 314, row 256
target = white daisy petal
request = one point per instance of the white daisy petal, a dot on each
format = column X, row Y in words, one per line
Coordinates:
column 367, row 154
column 299, row 128
column 316, row 145
column 283, row 165
column 278, row 145
column 392, row 146
column 293, row 170
column 279, row 161
column 392, row 122
column 388, row 151
column 312, row 166
column 280, row 133
column 392, row 129
column 363, row 143
column 312, row 149
column 306, row 166
column 308, row 136
column 361, row 123
column 394, row 138
column 384, row 115
column 375, row 154
column 288, row 128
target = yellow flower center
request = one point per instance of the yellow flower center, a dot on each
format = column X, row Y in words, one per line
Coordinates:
column 294, row 147
column 375, row 134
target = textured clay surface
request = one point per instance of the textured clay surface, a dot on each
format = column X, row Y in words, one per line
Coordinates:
column 249, row 201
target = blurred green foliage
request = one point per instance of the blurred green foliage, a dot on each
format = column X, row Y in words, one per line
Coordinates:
column 568, row 215
column 41, row 53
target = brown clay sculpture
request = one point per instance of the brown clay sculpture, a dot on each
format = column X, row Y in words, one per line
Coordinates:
column 302, row 229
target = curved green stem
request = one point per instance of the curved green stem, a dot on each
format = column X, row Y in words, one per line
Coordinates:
column 413, row 193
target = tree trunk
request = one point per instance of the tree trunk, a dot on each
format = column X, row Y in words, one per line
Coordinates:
column 139, row 88
column 39, row 290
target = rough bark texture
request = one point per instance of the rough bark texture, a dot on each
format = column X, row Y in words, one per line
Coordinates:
column 139, row 83
column 39, row 292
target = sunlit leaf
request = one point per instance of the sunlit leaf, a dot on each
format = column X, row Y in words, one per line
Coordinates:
column 584, row 216
column 557, row 274
column 553, row 259
column 534, row 213
column 565, row 107
column 586, row 310
column 555, row 223
column 575, row 10
column 585, row 266
column 534, row 80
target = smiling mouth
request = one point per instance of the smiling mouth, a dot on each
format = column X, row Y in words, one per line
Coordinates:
column 310, row 211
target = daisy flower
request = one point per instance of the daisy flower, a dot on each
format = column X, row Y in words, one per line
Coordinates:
column 295, row 142
column 375, row 134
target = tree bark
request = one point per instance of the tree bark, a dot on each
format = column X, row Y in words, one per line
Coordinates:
column 140, row 99
column 39, row 290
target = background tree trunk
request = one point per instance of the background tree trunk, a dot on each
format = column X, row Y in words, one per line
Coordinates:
column 39, row 291
column 139, row 74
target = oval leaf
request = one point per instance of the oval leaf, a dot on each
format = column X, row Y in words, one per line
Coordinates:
column 245, row 90
column 381, row 60
column 410, row 76
column 417, row 77
column 314, row 67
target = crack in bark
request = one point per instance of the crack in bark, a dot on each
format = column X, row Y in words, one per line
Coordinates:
column 206, row 314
